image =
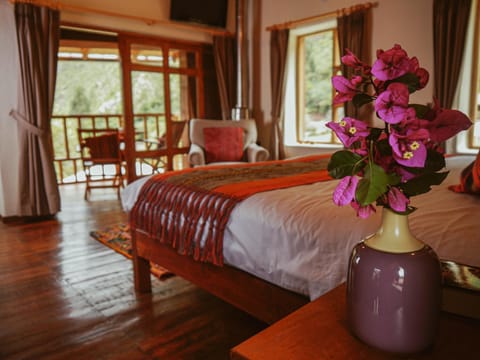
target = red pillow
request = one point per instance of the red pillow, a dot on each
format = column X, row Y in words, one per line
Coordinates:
column 223, row 144
column 469, row 178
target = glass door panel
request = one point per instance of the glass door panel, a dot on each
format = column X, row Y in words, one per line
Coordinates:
column 146, row 55
column 180, row 58
column 148, row 108
column 183, row 100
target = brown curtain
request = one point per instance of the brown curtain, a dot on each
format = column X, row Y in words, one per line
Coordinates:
column 278, row 60
column 224, row 50
column 354, row 33
column 450, row 22
column 38, row 30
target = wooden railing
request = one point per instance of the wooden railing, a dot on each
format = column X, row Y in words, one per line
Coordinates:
column 67, row 160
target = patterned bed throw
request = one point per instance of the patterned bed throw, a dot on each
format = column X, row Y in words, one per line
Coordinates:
column 189, row 209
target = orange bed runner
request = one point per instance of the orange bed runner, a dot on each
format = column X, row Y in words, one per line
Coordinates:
column 189, row 209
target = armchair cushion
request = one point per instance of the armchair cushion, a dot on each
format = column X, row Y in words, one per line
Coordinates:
column 223, row 143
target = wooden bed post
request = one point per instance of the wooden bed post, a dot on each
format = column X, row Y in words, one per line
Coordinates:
column 141, row 269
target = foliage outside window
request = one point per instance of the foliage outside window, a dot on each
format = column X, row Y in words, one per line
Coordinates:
column 313, row 59
column 317, row 62
column 474, row 132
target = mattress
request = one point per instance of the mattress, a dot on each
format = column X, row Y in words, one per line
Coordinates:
column 298, row 239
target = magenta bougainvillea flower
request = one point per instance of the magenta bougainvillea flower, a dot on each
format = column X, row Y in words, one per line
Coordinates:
column 346, row 89
column 409, row 149
column 391, row 64
column 387, row 166
column 349, row 130
column 363, row 211
column 397, row 200
column 344, row 193
column 392, row 104
column 350, row 59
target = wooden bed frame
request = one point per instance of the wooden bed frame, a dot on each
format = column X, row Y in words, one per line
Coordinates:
column 259, row 298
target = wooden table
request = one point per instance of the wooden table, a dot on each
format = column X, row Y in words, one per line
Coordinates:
column 319, row 330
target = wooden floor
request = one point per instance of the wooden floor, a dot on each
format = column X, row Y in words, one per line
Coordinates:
column 63, row 295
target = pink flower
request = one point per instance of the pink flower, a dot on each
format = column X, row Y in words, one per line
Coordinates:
column 363, row 211
column 409, row 149
column 423, row 76
column 349, row 130
column 346, row 89
column 446, row 124
column 397, row 200
column 391, row 64
column 392, row 104
column 350, row 59
column 345, row 191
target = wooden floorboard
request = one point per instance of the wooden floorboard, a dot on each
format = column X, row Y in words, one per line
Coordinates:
column 63, row 295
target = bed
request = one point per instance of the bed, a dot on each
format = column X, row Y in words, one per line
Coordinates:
column 285, row 247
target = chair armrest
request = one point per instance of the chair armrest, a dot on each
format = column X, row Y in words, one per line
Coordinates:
column 257, row 153
column 196, row 155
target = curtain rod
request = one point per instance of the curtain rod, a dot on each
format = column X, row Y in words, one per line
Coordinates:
column 57, row 5
column 295, row 23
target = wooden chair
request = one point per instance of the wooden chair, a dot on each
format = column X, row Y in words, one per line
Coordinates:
column 101, row 159
column 160, row 143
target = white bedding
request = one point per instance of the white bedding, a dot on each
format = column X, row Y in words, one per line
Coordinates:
column 298, row 239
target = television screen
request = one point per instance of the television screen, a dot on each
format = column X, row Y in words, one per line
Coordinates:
column 205, row 12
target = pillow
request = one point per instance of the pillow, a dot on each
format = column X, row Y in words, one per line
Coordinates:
column 223, row 143
column 469, row 178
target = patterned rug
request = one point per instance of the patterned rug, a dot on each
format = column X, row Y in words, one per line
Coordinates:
column 117, row 237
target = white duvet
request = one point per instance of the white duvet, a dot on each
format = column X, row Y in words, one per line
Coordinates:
column 298, row 239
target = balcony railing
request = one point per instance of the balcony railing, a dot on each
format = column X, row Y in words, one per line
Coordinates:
column 68, row 164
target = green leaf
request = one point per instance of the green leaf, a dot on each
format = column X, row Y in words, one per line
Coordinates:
column 374, row 134
column 420, row 110
column 409, row 79
column 374, row 184
column 344, row 163
column 434, row 162
column 361, row 99
column 422, row 184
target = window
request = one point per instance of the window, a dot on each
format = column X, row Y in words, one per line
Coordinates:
column 474, row 132
column 468, row 90
column 313, row 59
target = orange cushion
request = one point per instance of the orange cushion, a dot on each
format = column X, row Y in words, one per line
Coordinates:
column 469, row 178
column 223, row 144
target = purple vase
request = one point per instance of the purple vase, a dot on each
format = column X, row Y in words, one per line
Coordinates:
column 394, row 298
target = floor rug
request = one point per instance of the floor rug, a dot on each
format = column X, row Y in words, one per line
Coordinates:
column 117, row 237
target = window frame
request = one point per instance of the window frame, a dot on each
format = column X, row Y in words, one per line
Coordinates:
column 475, row 83
column 294, row 96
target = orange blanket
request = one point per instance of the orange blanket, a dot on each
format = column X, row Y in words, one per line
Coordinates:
column 189, row 209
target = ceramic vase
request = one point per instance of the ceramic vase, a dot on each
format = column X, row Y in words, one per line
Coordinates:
column 394, row 289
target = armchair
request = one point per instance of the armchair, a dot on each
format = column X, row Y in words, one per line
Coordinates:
column 224, row 142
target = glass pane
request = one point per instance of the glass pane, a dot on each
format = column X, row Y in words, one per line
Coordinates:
column 146, row 55
column 148, row 107
column 183, row 95
column 316, row 67
column 178, row 58
column 88, row 87
column 148, row 166
column 476, row 133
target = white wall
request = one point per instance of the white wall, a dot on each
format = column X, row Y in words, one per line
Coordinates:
column 406, row 22
column 8, row 100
